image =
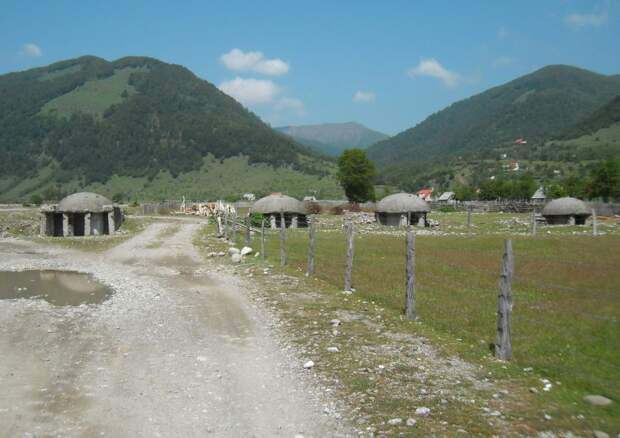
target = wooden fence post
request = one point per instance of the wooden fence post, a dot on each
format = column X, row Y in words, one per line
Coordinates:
column 594, row 224
column 282, row 240
column 234, row 228
column 248, row 226
column 468, row 217
column 503, row 344
column 350, row 251
column 262, row 239
column 311, row 246
column 410, row 311
column 226, row 224
column 533, row 224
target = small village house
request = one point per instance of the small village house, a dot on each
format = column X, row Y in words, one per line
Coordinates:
column 425, row 194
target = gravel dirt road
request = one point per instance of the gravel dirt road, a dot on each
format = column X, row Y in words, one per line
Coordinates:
column 178, row 350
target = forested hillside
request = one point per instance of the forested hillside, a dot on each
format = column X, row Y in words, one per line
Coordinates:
column 90, row 119
column 535, row 107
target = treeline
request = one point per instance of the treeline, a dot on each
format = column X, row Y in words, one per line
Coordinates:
column 171, row 122
column 602, row 183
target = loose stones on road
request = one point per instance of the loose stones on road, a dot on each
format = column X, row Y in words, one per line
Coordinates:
column 395, row 421
column 309, row 365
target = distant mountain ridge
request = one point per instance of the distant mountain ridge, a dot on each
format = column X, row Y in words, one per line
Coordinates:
column 333, row 138
column 536, row 107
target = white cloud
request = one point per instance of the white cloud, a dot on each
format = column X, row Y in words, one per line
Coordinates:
column 585, row 20
column 503, row 61
column 290, row 104
column 32, row 50
column 250, row 91
column 502, row 33
column 432, row 68
column 238, row 60
column 364, row 96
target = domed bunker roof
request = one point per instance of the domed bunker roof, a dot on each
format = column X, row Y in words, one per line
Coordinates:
column 84, row 202
column 276, row 203
column 402, row 203
column 566, row 207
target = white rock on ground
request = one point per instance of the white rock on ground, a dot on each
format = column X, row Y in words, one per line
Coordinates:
column 411, row 422
column 423, row 411
column 236, row 258
column 246, row 250
column 233, row 250
column 309, row 365
column 597, row 400
column 333, row 349
column 395, row 421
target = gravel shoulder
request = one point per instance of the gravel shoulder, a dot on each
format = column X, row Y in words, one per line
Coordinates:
column 178, row 350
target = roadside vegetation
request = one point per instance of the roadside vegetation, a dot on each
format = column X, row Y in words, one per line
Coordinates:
column 565, row 323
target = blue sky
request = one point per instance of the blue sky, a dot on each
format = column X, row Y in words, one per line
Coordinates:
column 387, row 64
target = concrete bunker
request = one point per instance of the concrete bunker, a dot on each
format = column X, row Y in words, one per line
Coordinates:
column 276, row 203
column 81, row 214
column 566, row 211
column 402, row 209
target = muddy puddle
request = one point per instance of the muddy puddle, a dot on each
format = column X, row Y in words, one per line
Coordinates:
column 60, row 288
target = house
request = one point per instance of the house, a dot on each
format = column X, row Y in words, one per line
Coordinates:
column 539, row 196
column 446, row 198
column 425, row 194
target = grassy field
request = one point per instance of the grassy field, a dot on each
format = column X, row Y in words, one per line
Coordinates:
column 566, row 304
column 214, row 180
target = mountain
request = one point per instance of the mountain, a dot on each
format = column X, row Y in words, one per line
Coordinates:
column 536, row 107
column 604, row 117
column 84, row 121
column 333, row 138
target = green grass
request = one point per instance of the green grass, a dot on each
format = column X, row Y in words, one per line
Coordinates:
column 94, row 97
column 214, row 180
column 566, row 304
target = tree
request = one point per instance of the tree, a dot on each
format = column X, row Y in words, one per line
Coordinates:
column 464, row 193
column 356, row 174
column 605, row 182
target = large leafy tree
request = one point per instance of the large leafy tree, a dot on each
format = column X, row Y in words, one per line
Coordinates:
column 605, row 182
column 356, row 174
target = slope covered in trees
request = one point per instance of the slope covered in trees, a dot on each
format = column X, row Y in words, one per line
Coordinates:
column 133, row 117
column 537, row 106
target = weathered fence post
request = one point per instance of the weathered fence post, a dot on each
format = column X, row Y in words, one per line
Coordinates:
column 410, row 312
column 503, row 344
column 350, row 251
column 262, row 239
column 311, row 246
column 218, row 225
column 468, row 217
column 282, row 240
column 248, row 226
column 226, row 224
column 234, row 227
column 533, row 224
column 594, row 224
